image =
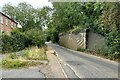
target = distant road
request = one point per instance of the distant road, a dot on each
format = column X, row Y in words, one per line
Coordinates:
column 85, row 65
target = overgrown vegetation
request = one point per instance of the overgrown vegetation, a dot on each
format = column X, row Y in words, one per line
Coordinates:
column 103, row 52
column 24, row 58
column 20, row 40
column 35, row 53
column 17, row 45
column 15, row 64
column 27, row 16
column 32, row 21
column 36, row 36
column 14, row 42
column 101, row 18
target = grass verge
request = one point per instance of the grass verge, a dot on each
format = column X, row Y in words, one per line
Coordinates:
column 25, row 58
column 15, row 64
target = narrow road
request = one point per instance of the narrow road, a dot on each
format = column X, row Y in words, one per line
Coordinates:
column 86, row 66
column 51, row 70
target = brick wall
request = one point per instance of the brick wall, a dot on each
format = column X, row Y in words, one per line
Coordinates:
column 4, row 27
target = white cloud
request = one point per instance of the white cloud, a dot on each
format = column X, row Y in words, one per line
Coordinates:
column 34, row 3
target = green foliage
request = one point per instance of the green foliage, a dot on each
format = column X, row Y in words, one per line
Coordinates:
column 44, row 15
column 48, row 38
column 53, row 35
column 109, row 26
column 9, row 10
column 113, row 41
column 25, row 53
column 67, row 15
column 81, row 49
column 76, row 14
column 11, row 64
column 26, row 58
column 36, row 36
column 108, row 21
column 102, row 18
column 27, row 16
column 12, row 56
column 19, row 40
column 14, row 42
column 6, row 43
column 14, row 64
column 23, row 13
column 34, row 53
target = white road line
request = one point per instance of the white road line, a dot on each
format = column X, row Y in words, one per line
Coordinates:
column 74, row 71
column 61, row 66
column 67, row 65
column 88, row 55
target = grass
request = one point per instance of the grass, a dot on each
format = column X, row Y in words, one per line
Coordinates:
column 102, row 53
column 25, row 58
column 0, row 63
column 35, row 53
column 15, row 64
column 81, row 49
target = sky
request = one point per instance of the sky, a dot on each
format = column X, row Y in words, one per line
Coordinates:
column 34, row 3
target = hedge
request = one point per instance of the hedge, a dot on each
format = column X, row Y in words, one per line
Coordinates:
column 36, row 36
column 20, row 40
column 14, row 42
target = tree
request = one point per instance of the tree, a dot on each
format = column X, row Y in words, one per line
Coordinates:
column 67, row 15
column 24, row 14
column 27, row 16
column 109, row 25
column 44, row 15
column 9, row 10
column 109, row 20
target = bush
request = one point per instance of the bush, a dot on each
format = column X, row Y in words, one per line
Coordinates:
column 12, row 56
column 35, row 53
column 14, row 42
column 55, row 37
column 48, row 38
column 81, row 49
column 21, row 39
column 113, row 41
column 36, row 36
column 7, row 42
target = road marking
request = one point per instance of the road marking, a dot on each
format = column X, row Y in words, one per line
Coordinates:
column 67, row 65
column 74, row 71
column 88, row 55
column 61, row 66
